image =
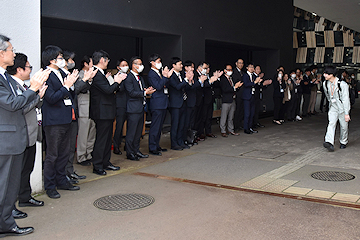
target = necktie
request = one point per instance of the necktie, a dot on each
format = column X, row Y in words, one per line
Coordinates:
column 231, row 82
column 26, row 87
column 184, row 93
column 138, row 79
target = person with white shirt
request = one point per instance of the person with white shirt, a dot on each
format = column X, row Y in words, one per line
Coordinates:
column 58, row 113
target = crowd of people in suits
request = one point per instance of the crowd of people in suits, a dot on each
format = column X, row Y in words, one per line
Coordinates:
column 79, row 108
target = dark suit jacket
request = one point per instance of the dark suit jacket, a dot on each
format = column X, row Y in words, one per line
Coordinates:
column 159, row 100
column 13, row 129
column 191, row 91
column 199, row 90
column 306, row 88
column 227, row 91
column 102, row 98
column 176, row 91
column 121, row 99
column 54, row 110
column 277, row 89
column 237, row 77
column 135, row 95
column 248, row 85
column 208, row 92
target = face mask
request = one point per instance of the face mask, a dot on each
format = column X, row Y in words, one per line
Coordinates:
column 158, row 66
column 124, row 69
column 60, row 63
column 203, row 72
column 71, row 65
column 352, row 77
column 140, row 69
column 229, row 73
column 293, row 75
column 280, row 75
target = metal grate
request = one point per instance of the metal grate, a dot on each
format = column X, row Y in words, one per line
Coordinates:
column 332, row 176
column 124, row 202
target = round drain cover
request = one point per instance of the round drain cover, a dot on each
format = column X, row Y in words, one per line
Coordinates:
column 332, row 176
column 124, row 202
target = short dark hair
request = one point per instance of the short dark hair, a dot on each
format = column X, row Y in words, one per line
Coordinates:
column 51, row 52
column 132, row 60
column 121, row 60
column 281, row 66
column 331, row 70
column 312, row 67
column 227, row 64
column 154, row 57
column 201, row 63
column 19, row 62
column 174, row 60
column 308, row 70
column 188, row 63
column 250, row 63
column 97, row 55
column 68, row 54
column 293, row 71
column 85, row 59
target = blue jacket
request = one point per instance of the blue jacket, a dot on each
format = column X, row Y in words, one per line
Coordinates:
column 176, row 91
column 248, row 86
column 159, row 100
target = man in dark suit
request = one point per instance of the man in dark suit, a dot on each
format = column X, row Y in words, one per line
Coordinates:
column 250, row 80
column 136, row 100
column 123, row 67
column 102, row 111
column 306, row 85
column 58, row 113
column 239, row 111
column 177, row 96
column 20, row 72
column 13, row 137
column 158, row 103
column 228, row 89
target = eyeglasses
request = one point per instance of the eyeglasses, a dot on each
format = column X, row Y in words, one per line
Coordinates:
column 13, row 50
column 60, row 58
column 31, row 67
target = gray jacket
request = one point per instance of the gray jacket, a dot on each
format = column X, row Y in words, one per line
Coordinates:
column 341, row 96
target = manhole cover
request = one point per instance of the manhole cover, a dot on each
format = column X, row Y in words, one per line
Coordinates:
column 332, row 176
column 124, row 202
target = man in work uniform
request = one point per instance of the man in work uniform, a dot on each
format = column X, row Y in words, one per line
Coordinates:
column 337, row 92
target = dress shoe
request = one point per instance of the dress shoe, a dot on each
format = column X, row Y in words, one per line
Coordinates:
column 117, row 151
column 141, row 155
column 99, row 171
column 211, row 135
column 195, row 142
column 111, row 167
column 190, row 144
column 133, row 157
column 74, row 175
column 177, row 148
column 202, row 137
column 259, row 125
column 156, row 153
column 68, row 186
column 248, row 131
column 253, row 131
column 162, row 149
column 72, row 181
column 342, row 146
column 52, row 193
column 16, row 231
column 17, row 214
column 31, row 203
column 85, row 163
column 185, row 146
column 235, row 134
column 329, row 146
column 224, row 135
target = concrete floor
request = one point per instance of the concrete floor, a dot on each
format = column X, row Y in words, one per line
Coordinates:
column 279, row 159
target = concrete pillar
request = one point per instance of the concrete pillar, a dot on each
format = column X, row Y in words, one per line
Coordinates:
column 20, row 21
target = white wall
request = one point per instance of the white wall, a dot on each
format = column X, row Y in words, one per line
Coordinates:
column 20, row 21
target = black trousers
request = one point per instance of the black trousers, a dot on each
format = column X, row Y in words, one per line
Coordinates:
column 257, row 111
column 206, row 117
column 239, row 112
column 10, row 175
column 198, row 117
column 73, row 134
column 134, row 126
column 57, row 155
column 177, row 126
column 189, row 120
column 102, row 147
column 249, row 110
column 27, row 168
column 120, row 119
column 306, row 102
column 157, row 121
column 278, row 108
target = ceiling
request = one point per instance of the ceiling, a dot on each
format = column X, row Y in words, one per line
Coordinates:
column 344, row 12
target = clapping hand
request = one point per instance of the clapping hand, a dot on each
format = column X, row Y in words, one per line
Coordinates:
column 167, row 73
column 119, row 77
column 71, row 78
column 267, row 82
column 38, row 79
column 42, row 90
column 238, row 84
column 89, row 74
column 149, row 90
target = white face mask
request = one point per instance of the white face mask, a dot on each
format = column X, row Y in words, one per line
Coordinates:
column 140, row 69
column 293, row 75
column 229, row 73
column 280, row 75
column 60, row 63
column 124, row 69
column 158, row 66
column 203, row 72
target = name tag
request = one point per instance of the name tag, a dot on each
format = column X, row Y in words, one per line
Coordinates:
column 252, row 91
column 67, row 102
column 295, row 90
column 166, row 91
column 19, row 92
column 281, row 90
column 333, row 100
